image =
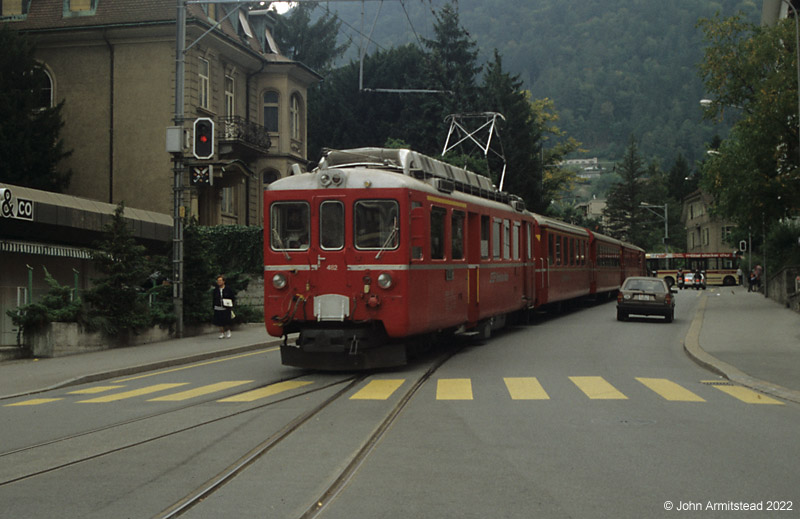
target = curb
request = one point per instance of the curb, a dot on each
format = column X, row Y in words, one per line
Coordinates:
column 692, row 347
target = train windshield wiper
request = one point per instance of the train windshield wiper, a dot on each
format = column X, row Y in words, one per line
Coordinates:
column 389, row 239
column 280, row 243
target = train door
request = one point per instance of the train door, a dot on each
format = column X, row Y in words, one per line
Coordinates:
column 529, row 264
column 541, row 256
column 474, row 247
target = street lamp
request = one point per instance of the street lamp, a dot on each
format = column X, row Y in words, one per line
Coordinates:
column 665, row 216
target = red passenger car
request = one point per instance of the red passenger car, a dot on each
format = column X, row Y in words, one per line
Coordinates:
column 377, row 246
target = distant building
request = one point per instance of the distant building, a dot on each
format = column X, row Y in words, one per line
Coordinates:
column 593, row 209
column 774, row 10
column 704, row 231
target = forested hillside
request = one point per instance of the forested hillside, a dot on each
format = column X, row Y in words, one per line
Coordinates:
column 614, row 68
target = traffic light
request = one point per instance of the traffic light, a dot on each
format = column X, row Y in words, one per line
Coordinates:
column 203, row 138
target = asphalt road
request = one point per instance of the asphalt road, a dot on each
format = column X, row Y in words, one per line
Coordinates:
column 575, row 416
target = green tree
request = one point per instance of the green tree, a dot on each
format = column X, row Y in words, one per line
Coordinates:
column 623, row 209
column 311, row 43
column 30, row 146
column 117, row 297
column 751, row 71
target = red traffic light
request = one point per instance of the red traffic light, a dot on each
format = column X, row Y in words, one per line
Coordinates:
column 203, row 138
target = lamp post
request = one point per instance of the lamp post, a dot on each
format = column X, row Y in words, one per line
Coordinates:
column 665, row 216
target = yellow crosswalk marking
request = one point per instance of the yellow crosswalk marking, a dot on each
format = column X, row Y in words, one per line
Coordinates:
column 597, row 388
column 130, row 394
column 264, row 392
column 525, row 388
column 200, row 391
column 454, row 389
column 35, row 401
column 378, row 390
column 94, row 390
column 670, row 390
column 748, row 396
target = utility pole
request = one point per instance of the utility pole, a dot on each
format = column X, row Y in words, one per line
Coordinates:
column 177, row 170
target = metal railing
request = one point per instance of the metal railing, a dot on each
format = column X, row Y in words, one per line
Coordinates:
column 237, row 129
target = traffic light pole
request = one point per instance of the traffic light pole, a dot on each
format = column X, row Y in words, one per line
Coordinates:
column 178, row 169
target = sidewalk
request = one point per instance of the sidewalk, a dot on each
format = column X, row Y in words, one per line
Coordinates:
column 749, row 339
column 745, row 337
column 26, row 376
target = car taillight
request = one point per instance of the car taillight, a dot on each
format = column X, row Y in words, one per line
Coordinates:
column 619, row 297
column 668, row 299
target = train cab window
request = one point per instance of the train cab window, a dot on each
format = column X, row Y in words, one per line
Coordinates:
column 485, row 233
column 457, row 235
column 376, row 224
column 289, row 225
column 438, row 216
column 331, row 225
column 496, row 238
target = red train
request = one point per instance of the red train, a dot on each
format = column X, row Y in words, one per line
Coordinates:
column 378, row 246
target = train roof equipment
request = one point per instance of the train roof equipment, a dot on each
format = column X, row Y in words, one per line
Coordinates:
column 444, row 177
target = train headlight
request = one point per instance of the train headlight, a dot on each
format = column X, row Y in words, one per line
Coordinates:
column 385, row 280
column 279, row 281
column 336, row 178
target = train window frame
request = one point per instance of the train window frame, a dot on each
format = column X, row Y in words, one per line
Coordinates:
column 515, row 240
column 506, row 239
column 438, row 221
column 558, row 250
column 384, row 238
column 496, row 223
column 325, row 223
column 551, row 249
column 486, row 234
column 294, row 212
column 457, row 220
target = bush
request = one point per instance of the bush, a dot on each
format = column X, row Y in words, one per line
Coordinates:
column 56, row 306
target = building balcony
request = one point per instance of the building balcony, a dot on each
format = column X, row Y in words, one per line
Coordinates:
column 240, row 137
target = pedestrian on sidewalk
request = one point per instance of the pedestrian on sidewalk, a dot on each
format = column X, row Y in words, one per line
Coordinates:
column 224, row 299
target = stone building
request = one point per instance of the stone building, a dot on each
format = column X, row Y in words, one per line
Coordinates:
column 113, row 64
column 704, row 231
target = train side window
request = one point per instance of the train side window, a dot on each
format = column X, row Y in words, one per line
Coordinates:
column 457, row 235
column 506, row 239
column 496, row 238
column 528, row 239
column 558, row 250
column 485, row 237
column 331, row 225
column 515, row 241
column 572, row 251
column 376, row 224
column 289, row 225
column 438, row 216
column 551, row 249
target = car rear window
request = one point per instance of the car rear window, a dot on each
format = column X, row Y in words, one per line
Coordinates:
column 646, row 285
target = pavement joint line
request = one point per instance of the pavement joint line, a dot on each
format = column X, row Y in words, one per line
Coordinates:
column 132, row 370
column 695, row 351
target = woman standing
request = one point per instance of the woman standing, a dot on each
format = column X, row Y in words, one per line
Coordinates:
column 223, row 308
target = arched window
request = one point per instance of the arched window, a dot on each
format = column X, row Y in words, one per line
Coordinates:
column 43, row 87
column 270, row 105
column 296, row 117
column 270, row 176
